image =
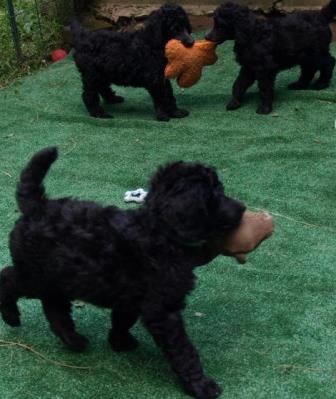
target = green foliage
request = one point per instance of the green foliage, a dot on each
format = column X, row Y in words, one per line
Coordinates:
column 39, row 33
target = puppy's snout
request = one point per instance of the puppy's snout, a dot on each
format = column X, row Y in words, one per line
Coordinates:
column 188, row 41
column 210, row 36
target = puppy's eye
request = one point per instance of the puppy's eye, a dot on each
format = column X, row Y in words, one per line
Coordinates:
column 214, row 199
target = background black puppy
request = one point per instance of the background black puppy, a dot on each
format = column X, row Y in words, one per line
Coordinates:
column 138, row 262
column 131, row 59
column 264, row 47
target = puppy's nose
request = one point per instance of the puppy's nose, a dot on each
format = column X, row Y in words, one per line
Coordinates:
column 210, row 36
column 188, row 41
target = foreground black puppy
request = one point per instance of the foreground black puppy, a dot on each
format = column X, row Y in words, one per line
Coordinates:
column 131, row 59
column 138, row 262
column 264, row 47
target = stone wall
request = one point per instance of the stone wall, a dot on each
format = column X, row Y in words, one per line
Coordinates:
column 264, row 5
column 123, row 11
column 128, row 14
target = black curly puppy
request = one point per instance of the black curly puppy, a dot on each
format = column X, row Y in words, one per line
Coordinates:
column 263, row 47
column 138, row 262
column 131, row 59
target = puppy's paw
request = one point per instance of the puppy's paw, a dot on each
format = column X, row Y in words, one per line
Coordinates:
column 114, row 100
column 298, row 86
column 319, row 85
column 162, row 116
column 205, row 388
column 12, row 318
column 75, row 342
column 264, row 109
column 179, row 113
column 233, row 104
column 101, row 114
column 122, row 343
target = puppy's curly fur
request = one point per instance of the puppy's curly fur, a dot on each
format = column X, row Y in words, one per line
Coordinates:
column 264, row 47
column 131, row 59
column 137, row 262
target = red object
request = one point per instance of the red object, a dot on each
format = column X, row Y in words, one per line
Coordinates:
column 58, row 54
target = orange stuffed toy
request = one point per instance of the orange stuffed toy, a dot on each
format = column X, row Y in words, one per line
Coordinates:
column 186, row 63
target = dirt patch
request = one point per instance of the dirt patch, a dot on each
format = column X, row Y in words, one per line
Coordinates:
column 201, row 22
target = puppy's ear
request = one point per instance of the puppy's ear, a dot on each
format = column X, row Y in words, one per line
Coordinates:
column 178, row 200
column 153, row 27
column 184, row 215
column 241, row 15
column 231, row 10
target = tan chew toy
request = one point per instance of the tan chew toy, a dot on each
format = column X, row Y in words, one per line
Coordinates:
column 253, row 229
column 186, row 63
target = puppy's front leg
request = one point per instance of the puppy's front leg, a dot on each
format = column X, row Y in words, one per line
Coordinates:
column 165, row 102
column 245, row 79
column 169, row 333
column 124, row 316
column 170, row 100
column 266, row 80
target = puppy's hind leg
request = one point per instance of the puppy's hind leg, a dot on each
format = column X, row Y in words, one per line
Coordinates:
column 326, row 71
column 58, row 313
column 307, row 74
column 9, row 294
column 123, row 318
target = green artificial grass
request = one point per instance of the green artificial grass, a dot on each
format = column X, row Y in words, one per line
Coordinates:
column 263, row 330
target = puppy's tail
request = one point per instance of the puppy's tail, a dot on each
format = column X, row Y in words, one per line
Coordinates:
column 30, row 190
column 78, row 32
column 329, row 11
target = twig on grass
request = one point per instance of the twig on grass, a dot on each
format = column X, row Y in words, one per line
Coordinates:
column 73, row 147
column 295, row 220
column 6, row 173
column 9, row 344
column 288, row 367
